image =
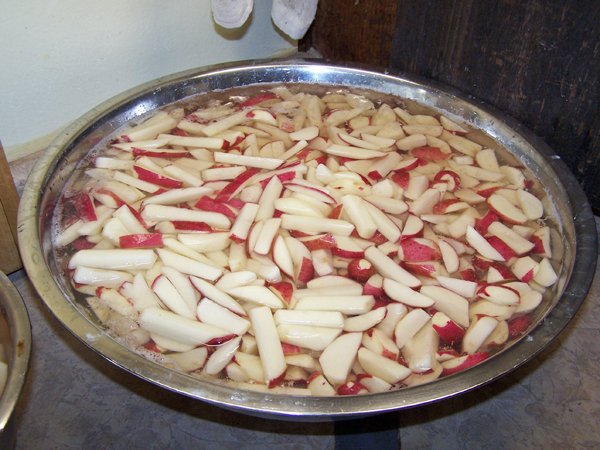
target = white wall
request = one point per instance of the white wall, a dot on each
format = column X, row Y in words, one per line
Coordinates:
column 59, row 58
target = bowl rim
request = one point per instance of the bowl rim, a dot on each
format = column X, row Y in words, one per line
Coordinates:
column 287, row 407
column 18, row 364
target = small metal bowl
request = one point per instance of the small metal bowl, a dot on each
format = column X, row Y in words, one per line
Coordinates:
column 573, row 220
column 17, row 345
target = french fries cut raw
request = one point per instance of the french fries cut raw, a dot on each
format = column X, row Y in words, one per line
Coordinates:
column 308, row 244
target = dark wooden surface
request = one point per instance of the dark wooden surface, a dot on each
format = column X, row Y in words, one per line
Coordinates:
column 538, row 61
column 351, row 30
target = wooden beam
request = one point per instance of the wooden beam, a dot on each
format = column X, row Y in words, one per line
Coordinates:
column 10, row 260
column 538, row 61
column 353, row 31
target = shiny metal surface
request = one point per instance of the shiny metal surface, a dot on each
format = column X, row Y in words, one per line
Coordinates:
column 573, row 220
column 18, row 349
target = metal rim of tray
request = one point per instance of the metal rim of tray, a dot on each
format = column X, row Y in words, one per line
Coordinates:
column 19, row 325
column 574, row 208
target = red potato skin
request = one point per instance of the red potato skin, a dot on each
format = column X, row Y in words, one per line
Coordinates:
column 470, row 361
column 450, row 333
column 426, row 269
column 119, row 201
column 277, row 380
column 352, row 388
column 182, row 225
column 290, row 349
column 370, row 289
column 137, row 215
column 527, row 277
column 289, row 165
column 227, row 192
column 325, row 241
column 377, row 238
column 518, row 326
column 235, row 203
column 149, row 240
column 287, row 126
column 208, row 204
column 486, row 193
column 158, row 154
column 451, row 178
column 283, row 177
column 303, row 154
column 84, row 206
column 430, row 153
column 179, row 132
column 389, row 355
column 381, row 301
column 538, row 246
column 251, row 114
column 151, row 346
column 308, row 154
column 312, row 376
column 336, row 212
column 408, row 165
column 481, row 263
column 442, row 206
column 482, row 225
column 346, row 253
column 362, row 376
column 448, row 352
column 233, row 145
column 360, row 270
column 257, row 99
column 483, row 289
column 157, row 179
column 374, row 175
column 286, row 176
column 468, row 275
column 283, row 289
column 385, row 352
column 194, row 118
column 298, row 234
column 401, row 178
column 503, row 270
column 81, row 243
column 415, row 251
column 501, row 247
column 307, row 271
column 220, row 340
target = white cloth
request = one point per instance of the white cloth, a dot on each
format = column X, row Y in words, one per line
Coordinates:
column 293, row 17
column 231, row 13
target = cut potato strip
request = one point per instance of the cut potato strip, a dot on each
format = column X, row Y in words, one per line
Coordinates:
column 180, row 329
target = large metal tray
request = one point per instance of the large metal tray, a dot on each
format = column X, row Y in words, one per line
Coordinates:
column 573, row 221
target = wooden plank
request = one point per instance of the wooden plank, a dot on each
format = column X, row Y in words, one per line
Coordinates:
column 538, row 61
column 353, row 30
column 10, row 259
